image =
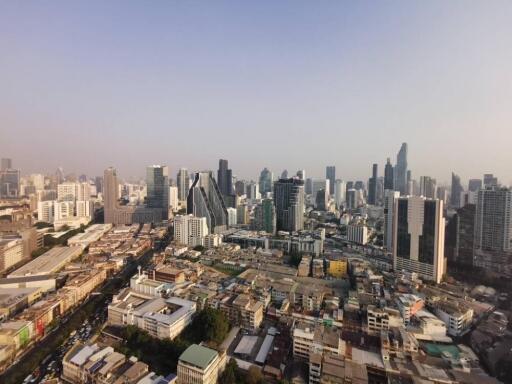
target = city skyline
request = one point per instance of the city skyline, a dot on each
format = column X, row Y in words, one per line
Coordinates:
column 347, row 82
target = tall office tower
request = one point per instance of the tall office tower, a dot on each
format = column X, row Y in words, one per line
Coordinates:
column 173, row 198
column 317, row 185
column 330, row 174
column 301, row 174
column 359, row 185
column 490, row 180
column 380, row 189
column 350, row 185
column 110, row 194
column 9, row 183
column 265, row 217
column 266, row 180
column 190, row 230
column 351, row 199
column 493, row 226
column 182, row 181
column 240, row 187
column 400, row 172
column 6, row 164
column 456, row 191
column 388, row 175
column 372, row 186
column 418, row 237
column 389, row 203
column 442, row 194
column 252, row 190
column 157, row 181
column 98, row 181
column 339, row 193
column 284, row 174
column 225, row 178
column 428, row 187
column 321, row 199
column 205, row 200
column 474, row 185
column 289, row 203
column 464, row 234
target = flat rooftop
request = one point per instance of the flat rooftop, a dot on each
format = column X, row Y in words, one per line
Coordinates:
column 49, row 262
column 198, row 356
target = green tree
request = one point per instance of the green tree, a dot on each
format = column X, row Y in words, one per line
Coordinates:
column 254, row 376
column 230, row 373
column 210, row 325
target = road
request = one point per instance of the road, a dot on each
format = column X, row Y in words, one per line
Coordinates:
column 55, row 344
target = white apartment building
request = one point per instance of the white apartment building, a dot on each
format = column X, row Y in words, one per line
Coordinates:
column 173, row 198
column 190, row 230
column 456, row 316
column 11, row 252
column 232, row 219
column 46, row 211
column 70, row 191
column 357, row 233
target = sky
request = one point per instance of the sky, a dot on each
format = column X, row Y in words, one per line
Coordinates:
column 278, row 84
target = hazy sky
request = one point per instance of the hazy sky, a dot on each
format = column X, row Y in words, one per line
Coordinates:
column 88, row 84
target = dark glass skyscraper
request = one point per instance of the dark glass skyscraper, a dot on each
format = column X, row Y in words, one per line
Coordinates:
column 330, row 174
column 265, row 182
column 372, row 186
column 457, row 190
column 182, row 181
column 289, row 203
column 225, row 178
column 157, row 180
column 388, row 175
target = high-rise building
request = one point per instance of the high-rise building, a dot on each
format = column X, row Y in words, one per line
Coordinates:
column 493, row 226
column 388, row 175
column 70, row 191
column 183, row 180
column 301, row 174
column 330, row 174
column 389, row 203
column 240, row 187
column 225, row 178
column 321, row 199
column 173, row 198
column 265, row 217
column 428, row 187
column 232, row 219
column 9, row 183
column 190, row 230
column 490, row 180
column 400, row 171
column 339, row 193
column 252, row 190
column 205, row 200
column 351, row 199
column 289, row 203
column 474, row 185
column 372, row 186
column 6, row 164
column 157, row 181
column 464, row 234
column 98, row 181
column 265, row 182
column 319, row 186
column 418, row 237
column 284, row 174
column 456, row 192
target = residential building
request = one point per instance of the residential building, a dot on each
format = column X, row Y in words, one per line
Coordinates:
column 389, row 203
column 381, row 319
column 418, row 229
column 190, row 230
column 338, row 268
column 339, row 193
column 265, row 216
column 357, row 233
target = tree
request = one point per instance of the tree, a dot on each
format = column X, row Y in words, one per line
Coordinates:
column 254, row 376
column 210, row 325
column 229, row 374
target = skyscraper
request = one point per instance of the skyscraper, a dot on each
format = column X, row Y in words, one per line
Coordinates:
column 265, row 217
column 284, row 174
column 388, row 176
column 464, row 234
column 389, row 203
column 400, row 172
column 330, row 174
column 157, row 180
column 266, row 180
column 474, row 185
column 182, row 181
column 225, row 178
column 457, row 190
column 372, row 186
column 205, row 200
column 418, row 237
column 6, row 164
column 339, row 193
column 493, row 225
column 428, row 187
column 289, row 203
column 110, row 194
column 301, row 174
column 490, row 180
column 9, row 183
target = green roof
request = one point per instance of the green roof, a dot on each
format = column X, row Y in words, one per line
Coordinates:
column 198, row 355
column 437, row 350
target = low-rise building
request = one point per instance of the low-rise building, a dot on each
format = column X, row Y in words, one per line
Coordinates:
column 379, row 319
column 457, row 316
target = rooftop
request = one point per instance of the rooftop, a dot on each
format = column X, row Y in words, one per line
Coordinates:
column 198, row 356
